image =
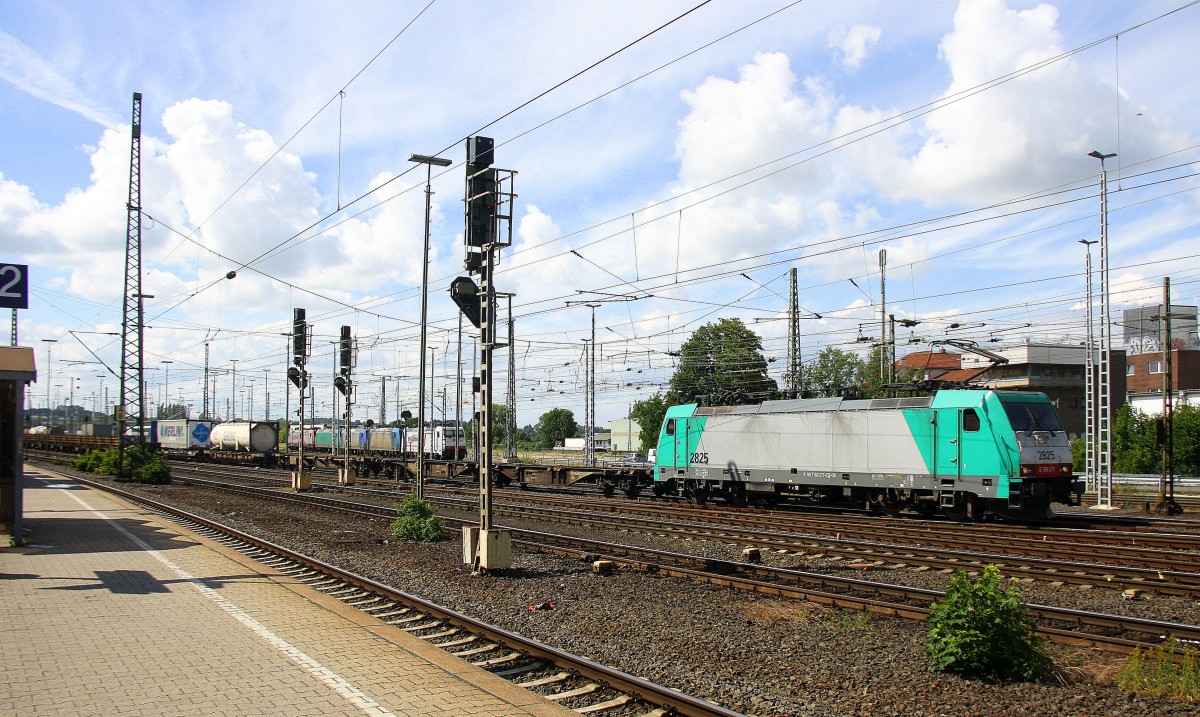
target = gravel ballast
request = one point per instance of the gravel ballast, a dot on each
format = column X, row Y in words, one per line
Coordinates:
column 750, row 653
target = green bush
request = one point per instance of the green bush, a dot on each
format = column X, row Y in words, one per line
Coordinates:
column 1169, row 670
column 141, row 465
column 417, row 520
column 89, row 462
column 983, row 630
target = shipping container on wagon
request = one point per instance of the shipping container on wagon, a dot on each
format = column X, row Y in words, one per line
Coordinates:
column 99, row 429
column 448, row 442
column 245, row 437
column 329, row 439
column 181, row 434
column 385, row 440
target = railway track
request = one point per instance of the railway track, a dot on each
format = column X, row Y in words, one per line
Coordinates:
column 558, row 675
column 1032, row 557
column 1166, row 563
column 1108, row 632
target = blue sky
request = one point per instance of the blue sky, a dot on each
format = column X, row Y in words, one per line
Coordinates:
column 741, row 138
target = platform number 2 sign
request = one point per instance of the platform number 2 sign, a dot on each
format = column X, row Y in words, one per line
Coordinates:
column 14, row 286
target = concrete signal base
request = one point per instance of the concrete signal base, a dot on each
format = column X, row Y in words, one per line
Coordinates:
column 487, row 550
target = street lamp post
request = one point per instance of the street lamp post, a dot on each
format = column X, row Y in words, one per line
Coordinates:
column 1104, row 385
column 430, row 163
column 233, row 389
column 49, row 376
column 73, row 413
column 167, row 387
column 432, row 382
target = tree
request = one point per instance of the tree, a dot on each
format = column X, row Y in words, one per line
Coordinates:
column 648, row 415
column 499, row 421
column 1185, row 423
column 1134, row 442
column 836, row 372
column 722, row 363
column 556, row 425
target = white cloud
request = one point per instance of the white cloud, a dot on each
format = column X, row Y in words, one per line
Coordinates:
column 26, row 70
column 1022, row 136
column 652, row 149
column 854, row 43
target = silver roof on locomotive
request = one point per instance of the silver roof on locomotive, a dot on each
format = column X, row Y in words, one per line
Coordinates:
column 836, row 403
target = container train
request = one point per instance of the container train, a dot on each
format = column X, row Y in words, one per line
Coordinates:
column 441, row 442
column 236, row 441
column 965, row 453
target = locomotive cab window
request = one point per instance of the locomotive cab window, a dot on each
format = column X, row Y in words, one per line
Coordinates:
column 970, row 420
column 1030, row 417
column 671, row 427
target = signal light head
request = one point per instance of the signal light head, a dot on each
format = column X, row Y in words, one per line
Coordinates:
column 465, row 294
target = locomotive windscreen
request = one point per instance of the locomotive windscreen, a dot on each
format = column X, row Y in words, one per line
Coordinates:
column 1030, row 417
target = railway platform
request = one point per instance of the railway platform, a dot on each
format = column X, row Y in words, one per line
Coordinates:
column 109, row 609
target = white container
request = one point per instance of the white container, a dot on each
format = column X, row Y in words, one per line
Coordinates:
column 183, row 435
column 245, row 437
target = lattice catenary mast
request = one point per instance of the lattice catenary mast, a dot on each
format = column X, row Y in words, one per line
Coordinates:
column 132, row 398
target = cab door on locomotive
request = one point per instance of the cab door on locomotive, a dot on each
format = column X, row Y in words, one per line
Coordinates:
column 947, row 444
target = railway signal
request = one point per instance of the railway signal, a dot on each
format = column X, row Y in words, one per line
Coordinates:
column 345, row 362
column 298, row 380
column 301, row 338
column 488, row 202
column 345, row 385
column 465, row 294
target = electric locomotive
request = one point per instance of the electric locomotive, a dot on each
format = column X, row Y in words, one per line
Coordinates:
column 965, row 453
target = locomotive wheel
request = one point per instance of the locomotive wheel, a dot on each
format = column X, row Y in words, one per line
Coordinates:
column 885, row 504
column 735, row 495
column 875, row 505
column 966, row 507
column 699, row 493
